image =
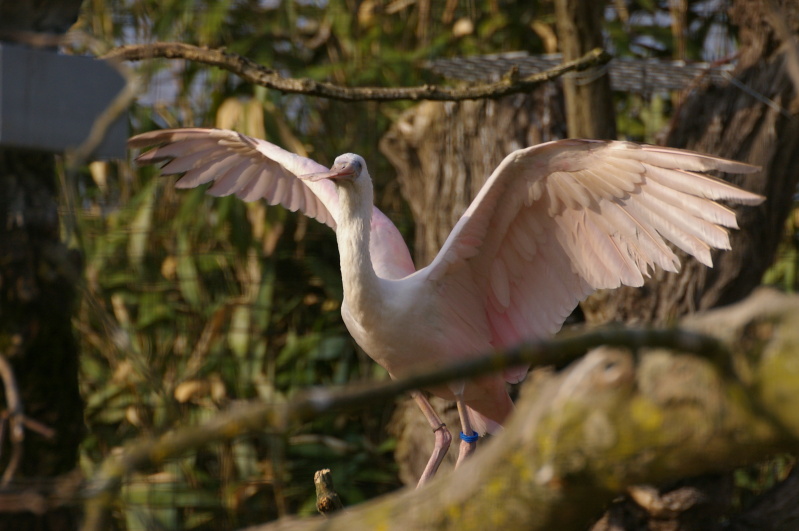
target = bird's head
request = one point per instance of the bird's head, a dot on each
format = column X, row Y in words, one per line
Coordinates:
column 346, row 168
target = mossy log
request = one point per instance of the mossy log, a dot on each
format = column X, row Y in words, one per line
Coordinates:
column 611, row 421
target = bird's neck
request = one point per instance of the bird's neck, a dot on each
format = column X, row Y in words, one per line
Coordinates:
column 360, row 282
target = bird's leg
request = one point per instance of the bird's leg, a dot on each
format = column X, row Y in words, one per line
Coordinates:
column 468, row 435
column 443, row 438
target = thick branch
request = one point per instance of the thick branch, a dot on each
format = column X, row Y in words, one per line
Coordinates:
column 254, row 73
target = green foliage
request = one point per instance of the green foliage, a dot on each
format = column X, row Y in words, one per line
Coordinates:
column 194, row 303
column 785, row 271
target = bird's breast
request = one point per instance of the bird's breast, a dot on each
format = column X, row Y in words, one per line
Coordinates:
column 400, row 331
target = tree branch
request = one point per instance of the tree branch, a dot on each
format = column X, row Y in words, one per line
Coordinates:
column 254, row 73
column 257, row 416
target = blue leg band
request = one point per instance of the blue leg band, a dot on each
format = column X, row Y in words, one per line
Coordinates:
column 470, row 438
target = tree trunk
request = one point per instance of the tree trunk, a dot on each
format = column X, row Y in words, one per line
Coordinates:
column 38, row 276
column 589, row 101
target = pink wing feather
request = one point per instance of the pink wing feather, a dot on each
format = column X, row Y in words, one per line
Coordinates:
column 253, row 169
column 557, row 221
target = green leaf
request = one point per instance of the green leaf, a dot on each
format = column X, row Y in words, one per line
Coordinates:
column 238, row 337
column 141, row 226
column 188, row 276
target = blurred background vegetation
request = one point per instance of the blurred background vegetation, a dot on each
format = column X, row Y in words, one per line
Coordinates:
column 192, row 303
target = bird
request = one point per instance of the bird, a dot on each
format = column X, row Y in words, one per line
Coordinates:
column 552, row 224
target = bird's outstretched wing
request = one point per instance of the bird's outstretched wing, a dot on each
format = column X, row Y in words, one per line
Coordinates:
column 250, row 168
column 557, row 221
column 254, row 169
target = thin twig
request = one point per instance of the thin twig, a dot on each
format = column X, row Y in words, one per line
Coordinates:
column 257, row 416
column 15, row 418
column 15, row 415
column 252, row 72
column 35, row 426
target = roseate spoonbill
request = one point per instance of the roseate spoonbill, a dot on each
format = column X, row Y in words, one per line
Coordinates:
column 552, row 224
